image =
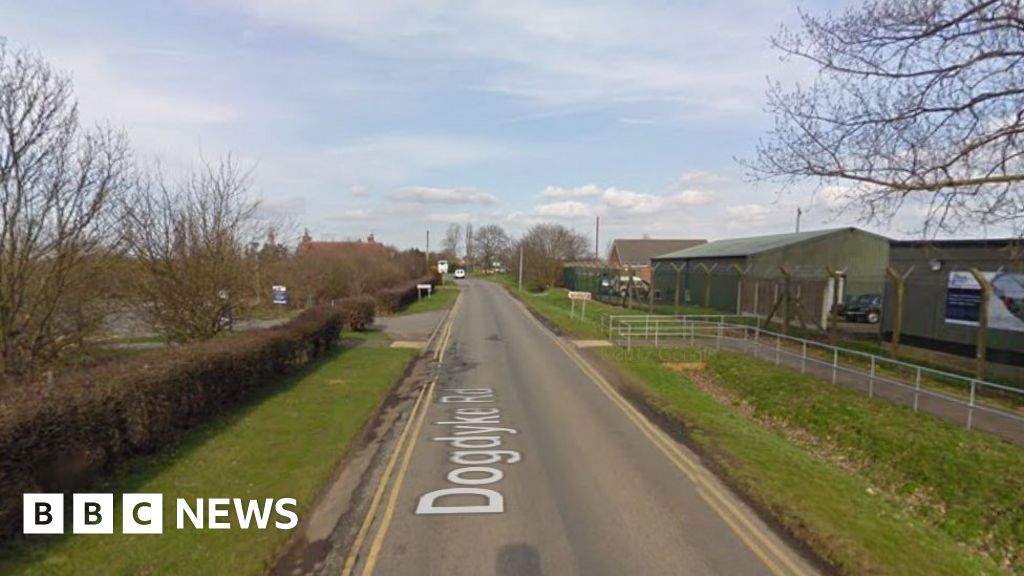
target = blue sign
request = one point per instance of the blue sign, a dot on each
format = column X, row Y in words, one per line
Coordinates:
column 280, row 295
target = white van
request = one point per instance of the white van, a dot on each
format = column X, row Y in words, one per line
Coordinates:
column 460, row 273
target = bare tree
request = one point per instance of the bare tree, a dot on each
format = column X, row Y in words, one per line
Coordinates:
column 915, row 103
column 546, row 248
column 470, row 255
column 189, row 238
column 491, row 245
column 452, row 241
column 58, row 184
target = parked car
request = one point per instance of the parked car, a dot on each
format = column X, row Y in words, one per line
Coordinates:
column 460, row 273
column 863, row 308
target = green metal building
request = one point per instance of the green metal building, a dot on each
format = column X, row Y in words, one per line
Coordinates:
column 749, row 275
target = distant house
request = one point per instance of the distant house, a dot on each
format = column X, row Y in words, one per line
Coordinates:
column 308, row 246
column 637, row 254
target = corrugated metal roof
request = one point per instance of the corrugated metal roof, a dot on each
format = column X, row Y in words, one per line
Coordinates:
column 640, row 251
column 739, row 247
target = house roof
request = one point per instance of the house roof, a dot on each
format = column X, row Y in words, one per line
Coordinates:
column 740, row 247
column 639, row 252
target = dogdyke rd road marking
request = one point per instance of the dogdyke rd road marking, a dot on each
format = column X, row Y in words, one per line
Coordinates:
column 476, row 438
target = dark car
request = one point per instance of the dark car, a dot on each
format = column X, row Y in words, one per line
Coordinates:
column 863, row 308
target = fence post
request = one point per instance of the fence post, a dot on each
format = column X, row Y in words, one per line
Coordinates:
column 647, row 327
column 970, row 407
column 835, row 363
column 757, row 341
column 917, row 387
column 718, row 342
column 803, row 358
column 656, row 323
column 778, row 349
column 871, row 380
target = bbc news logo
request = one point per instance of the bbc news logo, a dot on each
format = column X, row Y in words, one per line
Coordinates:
column 144, row 513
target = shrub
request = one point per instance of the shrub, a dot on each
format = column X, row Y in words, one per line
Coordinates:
column 60, row 437
column 357, row 311
column 389, row 300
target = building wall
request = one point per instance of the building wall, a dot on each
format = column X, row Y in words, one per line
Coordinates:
column 862, row 255
column 924, row 311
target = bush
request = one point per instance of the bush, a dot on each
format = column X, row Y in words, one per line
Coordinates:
column 357, row 311
column 61, row 437
column 389, row 300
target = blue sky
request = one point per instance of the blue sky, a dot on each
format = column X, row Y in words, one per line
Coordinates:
column 400, row 116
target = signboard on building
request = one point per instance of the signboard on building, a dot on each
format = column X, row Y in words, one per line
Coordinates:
column 280, row 294
column 1005, row 307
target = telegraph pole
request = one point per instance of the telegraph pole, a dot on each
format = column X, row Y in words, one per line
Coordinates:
column 428, row 251
column 520, row 265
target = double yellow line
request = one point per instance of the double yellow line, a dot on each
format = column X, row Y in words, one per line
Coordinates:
column 778, row 561
column 410, row 432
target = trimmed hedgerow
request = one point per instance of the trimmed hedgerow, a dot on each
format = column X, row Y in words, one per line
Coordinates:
column 61, row 437
column 389, row 300
column 357, row 311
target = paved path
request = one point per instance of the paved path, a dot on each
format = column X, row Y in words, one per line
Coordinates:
column 518, row 459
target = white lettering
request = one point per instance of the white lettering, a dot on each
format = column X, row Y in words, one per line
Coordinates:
column 185, row 510
column 487, row 456
column 217, row 508
column 252, row 510
column 458, row 442
column 493, row 475
column 475, row 429
column 290, row 514
column 495, row 502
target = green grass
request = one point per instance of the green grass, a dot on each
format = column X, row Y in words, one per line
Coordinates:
column 872, row 487
column 285, row 443
column 813, row 455
column 442, row 299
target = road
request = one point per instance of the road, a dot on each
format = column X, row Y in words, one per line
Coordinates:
column 518, row 459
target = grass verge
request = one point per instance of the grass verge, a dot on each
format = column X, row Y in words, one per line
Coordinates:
column 871, row 487
column 284, row 443
column 442, row 299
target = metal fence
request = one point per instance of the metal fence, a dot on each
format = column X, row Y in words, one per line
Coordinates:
column 976, row 403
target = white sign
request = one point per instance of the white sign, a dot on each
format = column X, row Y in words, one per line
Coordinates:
column 580, row 295
column 1005, row 305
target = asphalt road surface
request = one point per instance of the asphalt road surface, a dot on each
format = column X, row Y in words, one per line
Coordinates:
column 519, row 459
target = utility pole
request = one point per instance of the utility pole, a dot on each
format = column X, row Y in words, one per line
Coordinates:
column 520, row 265
column 428, row 251
column 597, row 239
column 799, row 211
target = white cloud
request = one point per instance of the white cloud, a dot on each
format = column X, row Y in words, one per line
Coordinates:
column 359, row 191
column 565, row 209
column 559, row 193
column 427, row 195
column 701, row 58
column 354, row 215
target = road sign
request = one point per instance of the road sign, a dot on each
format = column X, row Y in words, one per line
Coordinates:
column 421, row 287
column 280, row 295
column 582, row 296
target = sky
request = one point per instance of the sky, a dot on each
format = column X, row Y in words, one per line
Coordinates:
column 401, row 116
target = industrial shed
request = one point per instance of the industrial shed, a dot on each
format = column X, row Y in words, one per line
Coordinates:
column 749, row 275
column 940, row 298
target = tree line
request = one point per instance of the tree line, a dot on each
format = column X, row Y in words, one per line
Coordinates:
column 88, row 233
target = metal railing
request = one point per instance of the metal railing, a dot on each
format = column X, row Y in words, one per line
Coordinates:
column 976, row 403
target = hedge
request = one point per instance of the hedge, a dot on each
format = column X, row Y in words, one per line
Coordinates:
column 61, row 437
column 389, row 300
column 357, row 311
